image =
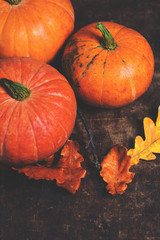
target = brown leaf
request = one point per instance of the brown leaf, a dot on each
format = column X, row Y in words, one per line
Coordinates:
column 145, row 149
column 67, row 172
column 115, row 170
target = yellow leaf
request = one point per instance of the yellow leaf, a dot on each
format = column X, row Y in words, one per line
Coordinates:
column 145, row 149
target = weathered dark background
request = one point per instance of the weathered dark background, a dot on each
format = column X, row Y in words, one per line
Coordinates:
column 31, row 210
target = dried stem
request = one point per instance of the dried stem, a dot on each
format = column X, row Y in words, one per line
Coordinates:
column 95, row 158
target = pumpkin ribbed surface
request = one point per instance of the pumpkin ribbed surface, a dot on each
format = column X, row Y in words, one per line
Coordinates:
column 37, row 127
column 108, row 77
column 35, row 28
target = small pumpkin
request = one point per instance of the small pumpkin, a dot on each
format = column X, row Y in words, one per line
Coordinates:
column 108, row 64
column 37, row 111
column 34, row 28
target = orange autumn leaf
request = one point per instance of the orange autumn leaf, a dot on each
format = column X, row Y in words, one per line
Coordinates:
column 67, row 172
column 145, row 149
column 115, row 170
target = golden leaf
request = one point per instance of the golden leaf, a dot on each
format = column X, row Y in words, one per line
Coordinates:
column 145, row 149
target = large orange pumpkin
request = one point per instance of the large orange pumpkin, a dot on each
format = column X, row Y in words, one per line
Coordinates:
column 37, row 111
column 34, row 28
column 108, row 64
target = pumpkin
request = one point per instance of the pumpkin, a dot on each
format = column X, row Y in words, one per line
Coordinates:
column 108, row 65
column 34, row 28
column 37, row 111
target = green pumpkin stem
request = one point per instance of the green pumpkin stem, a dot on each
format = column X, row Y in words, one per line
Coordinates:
column 16, row 90
column 108, row 41
column 14, row 2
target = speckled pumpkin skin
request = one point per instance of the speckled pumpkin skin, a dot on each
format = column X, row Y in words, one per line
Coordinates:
column 108, row 78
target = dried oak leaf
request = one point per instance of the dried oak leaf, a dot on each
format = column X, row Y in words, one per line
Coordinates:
column 144, row 149
column 67, row 172
column 115, row 170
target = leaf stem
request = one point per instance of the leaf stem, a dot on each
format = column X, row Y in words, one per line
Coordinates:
column 95, row 158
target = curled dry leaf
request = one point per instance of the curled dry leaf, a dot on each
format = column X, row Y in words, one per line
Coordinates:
column 115, row 170
column 67, row 172
column 144, row 149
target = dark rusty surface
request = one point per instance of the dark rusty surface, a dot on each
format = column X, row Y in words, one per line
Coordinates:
column 31, row 210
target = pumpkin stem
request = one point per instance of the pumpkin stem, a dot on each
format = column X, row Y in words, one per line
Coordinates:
column 108, row 41
column 16, row 90
column 14, row 2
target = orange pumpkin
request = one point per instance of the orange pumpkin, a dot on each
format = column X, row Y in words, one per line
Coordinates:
column 34, row 28
column 37, row 111
column 108, row 64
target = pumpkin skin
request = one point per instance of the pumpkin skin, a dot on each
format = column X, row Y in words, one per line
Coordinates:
column 36, row 128
column 34, row 28
column 108, row 78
